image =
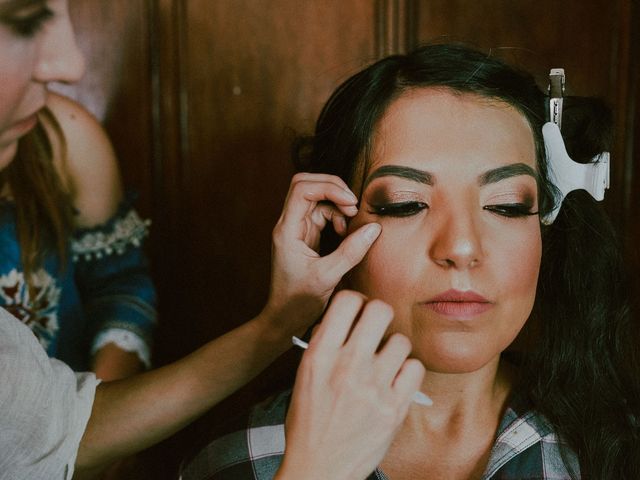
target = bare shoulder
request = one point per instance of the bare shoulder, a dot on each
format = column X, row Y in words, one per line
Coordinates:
column 86, row 161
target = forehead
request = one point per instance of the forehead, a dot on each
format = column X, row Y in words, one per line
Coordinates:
column 440, row 130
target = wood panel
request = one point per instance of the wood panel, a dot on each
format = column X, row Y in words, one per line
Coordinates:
column 534, row 35
column 253, row 75
column 396, row 26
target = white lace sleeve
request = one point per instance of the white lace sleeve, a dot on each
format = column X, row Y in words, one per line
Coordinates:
column 125, row 231
column 126, row 340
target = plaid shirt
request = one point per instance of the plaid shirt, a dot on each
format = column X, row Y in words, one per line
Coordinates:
column 526, row 448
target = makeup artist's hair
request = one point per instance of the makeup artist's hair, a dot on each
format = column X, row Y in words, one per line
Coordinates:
column 577, row 355
column 43, row 209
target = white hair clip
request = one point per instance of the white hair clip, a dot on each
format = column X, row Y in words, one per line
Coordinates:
column 566, row 174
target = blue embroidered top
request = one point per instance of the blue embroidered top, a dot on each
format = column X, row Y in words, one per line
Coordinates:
column 103, row 293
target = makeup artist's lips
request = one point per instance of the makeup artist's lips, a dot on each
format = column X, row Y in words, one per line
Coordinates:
column 454, row 303
column 25, row 125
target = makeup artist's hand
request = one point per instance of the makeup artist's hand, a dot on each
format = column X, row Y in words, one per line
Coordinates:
column 301, row 280
column 349, row 398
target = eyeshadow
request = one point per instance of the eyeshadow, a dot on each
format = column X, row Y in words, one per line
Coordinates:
column 378, row 196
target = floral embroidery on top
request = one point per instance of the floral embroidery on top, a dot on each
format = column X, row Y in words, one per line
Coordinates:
column 40, row 313
column 127, row 230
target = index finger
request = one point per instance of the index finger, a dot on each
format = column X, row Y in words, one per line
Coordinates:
column 303, row 196
column 319, row 177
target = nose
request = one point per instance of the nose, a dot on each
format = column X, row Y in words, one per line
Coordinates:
column 456, row 242
column 60, row 59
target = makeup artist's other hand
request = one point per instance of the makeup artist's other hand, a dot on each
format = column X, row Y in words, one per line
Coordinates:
column 350, row 397
column 301, row 280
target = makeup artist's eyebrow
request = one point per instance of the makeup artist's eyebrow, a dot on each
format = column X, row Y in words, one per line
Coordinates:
column 12, row 6
column 409, row 173
column 507, row 171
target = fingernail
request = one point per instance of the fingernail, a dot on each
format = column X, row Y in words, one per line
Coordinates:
column 352, row 210
column 349, row 195
column 372, row 231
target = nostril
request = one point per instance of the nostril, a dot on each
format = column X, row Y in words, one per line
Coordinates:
column 445, row 262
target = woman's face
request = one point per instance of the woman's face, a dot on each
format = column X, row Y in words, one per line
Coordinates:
column 452, row 181
column 37, row 46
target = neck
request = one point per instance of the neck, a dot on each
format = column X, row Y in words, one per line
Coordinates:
column 463, row 400
column 454, row 437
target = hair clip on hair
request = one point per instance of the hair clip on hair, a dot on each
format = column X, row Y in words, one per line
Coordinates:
column 566, row 174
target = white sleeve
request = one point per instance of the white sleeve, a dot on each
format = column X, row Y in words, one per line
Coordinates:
column 44, row 407
column 126, row 340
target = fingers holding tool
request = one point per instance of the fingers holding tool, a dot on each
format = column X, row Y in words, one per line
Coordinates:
column 350, row 395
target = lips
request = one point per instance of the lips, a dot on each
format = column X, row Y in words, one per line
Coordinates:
column 454, row 303
column 26, row 124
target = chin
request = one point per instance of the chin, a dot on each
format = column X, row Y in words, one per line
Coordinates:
column 456, row 358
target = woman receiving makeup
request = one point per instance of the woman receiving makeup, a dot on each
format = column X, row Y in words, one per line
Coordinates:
column 521, row 322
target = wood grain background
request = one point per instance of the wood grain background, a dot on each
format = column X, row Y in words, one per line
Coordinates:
column 203, row 97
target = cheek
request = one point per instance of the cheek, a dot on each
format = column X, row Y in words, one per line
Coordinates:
column 14, row 72
column 519, row 265
column 515, row 271
column 8, row 104
column 386, row 271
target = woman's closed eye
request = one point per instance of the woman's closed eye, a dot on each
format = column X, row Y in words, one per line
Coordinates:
column 511, row 210
column 29, row 25
column 398, row 209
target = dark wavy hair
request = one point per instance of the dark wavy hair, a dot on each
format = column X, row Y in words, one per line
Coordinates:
column 577, row 351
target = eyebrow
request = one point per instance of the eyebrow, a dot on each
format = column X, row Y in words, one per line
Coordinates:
column 11, row 6
column 491, row 176
column 409, row 173
column 507, row 171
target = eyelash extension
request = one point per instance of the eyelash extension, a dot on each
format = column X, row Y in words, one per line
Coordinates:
column 399, row 209
column 511, row 210
column 30, row 25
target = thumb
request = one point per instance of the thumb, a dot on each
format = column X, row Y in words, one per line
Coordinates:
column 351, row 251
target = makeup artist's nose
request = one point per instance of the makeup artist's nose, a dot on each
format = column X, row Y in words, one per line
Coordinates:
column 60, row 58
column 456, row 241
